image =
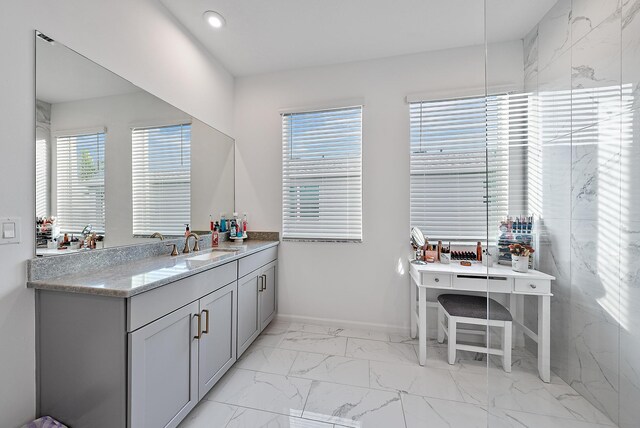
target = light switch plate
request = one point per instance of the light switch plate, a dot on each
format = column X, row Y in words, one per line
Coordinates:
column 10, row 230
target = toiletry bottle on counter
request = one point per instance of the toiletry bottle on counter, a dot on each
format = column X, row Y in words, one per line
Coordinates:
column 234, row 226
column 186, row 231
column 215, row 238
column 479, row 252
column 244, row 224
column 223, row 223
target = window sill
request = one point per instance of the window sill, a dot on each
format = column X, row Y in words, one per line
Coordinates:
column 346, row 241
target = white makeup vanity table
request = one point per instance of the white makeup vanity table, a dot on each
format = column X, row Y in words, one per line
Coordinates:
column 478, row 278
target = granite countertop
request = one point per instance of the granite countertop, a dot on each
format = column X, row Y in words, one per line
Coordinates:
column 139, row 276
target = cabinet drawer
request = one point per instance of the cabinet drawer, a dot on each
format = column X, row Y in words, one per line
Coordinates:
column 541, row 286
column 495, row 284
column 254, row 261
column 151, row 305
column 436, row 280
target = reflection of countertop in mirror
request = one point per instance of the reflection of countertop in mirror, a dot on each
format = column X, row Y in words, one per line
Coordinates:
column 138, row 276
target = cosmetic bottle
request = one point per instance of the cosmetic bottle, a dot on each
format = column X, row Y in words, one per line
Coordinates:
column 223, row 223
column 215, row 238
column 244, row 224
column 233, row 229
column 186, row 231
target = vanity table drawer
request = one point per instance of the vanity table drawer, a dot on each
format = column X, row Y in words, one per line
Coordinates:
column 541, row 286
column 436, row 280
column 494, row 284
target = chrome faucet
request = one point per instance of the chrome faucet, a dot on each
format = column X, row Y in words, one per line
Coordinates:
column 196, row 247
column 157, row 235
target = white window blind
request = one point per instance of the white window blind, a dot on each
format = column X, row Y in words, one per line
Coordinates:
column 322, row 175
column 42, row 178
column 161, row 167
column 459, row 146
column 80, row 182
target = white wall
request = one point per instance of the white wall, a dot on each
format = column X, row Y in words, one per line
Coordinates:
column 135, row 39
column 356, row 283
column 211, row 157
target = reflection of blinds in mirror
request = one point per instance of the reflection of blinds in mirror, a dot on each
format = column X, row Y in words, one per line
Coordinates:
column 322, row 175
column 80, row 182
column 456, row 145
column 42, row 178
column 161, row 166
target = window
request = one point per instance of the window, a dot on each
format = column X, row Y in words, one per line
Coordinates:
column 80, row 182
column 460, row 156
column 42, row 178
column 161, row 166
column 322, row 175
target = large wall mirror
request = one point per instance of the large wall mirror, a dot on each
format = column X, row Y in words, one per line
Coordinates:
column 115, row 164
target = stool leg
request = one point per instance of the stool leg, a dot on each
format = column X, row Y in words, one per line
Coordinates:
column 506, row 347
column 440, row 322
column 452, row 340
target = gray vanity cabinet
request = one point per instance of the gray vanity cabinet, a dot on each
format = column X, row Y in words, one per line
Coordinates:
column 144, row 361
column 257, row 300
column 217, row 351
column 268, row 296
column 163, row 369
column 248, row 308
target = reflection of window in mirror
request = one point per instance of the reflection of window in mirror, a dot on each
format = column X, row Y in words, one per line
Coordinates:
column 43, row 138
column 42, row 178
column 80, row 182
column 161, row 167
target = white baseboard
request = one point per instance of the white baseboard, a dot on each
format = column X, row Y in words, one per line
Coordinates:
column 404, row 330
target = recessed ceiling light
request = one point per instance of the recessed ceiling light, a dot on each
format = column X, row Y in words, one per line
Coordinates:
column 214, row 19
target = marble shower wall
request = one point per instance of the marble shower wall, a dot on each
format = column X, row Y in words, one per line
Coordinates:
column 582, row 63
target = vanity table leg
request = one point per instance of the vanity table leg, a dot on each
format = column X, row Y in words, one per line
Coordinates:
column 422, row 331
column 513, row 308
column 544, row 342
column 414, row 321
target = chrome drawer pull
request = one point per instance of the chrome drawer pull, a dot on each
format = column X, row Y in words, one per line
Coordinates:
column 533, row 286
column 437, row 280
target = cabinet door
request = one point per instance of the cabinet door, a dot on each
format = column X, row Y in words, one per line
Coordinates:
column 248, row 319
column 163, row 369
column 268, row 294
column 218, row 344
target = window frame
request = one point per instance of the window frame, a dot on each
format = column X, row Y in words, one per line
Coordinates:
column 353, row 177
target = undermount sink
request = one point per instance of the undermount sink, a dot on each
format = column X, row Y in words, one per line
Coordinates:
column 203, row 259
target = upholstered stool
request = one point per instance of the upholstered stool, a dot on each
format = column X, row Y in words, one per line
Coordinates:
column 462, row 309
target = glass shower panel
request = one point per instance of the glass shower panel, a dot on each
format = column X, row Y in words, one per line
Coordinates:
column 447, row 199
column 571, row 166
column 629, row 260
column 529, row 188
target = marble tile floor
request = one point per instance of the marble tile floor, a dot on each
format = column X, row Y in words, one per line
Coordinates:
column 312, row 376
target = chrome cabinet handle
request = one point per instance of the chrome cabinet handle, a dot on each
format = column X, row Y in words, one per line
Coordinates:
column 261, row 284
column 437, row 280
column 206, row 312
column 264, row 279
column 199, row 335
column 533, row 286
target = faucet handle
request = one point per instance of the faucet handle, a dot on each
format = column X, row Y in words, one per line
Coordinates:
column 174, row 251
column 196, row 247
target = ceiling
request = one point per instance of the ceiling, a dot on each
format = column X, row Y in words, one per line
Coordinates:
column 271, row 35
column 63, row 75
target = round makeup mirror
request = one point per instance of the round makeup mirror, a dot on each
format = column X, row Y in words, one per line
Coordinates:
column 418, row 241
column 417, row 238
